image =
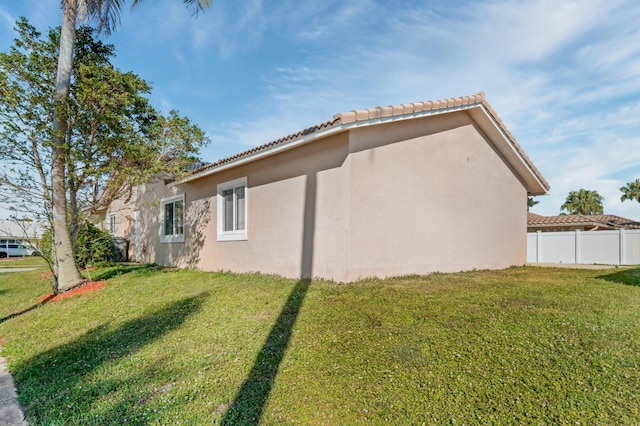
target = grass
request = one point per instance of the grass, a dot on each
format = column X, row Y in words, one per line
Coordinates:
column 523, row 345
column 21, row 262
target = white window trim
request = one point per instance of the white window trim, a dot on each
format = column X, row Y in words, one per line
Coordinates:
column 176, row 238
column 111, row 216
column 240, row 235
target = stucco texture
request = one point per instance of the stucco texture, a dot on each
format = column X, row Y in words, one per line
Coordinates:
column 410, row 197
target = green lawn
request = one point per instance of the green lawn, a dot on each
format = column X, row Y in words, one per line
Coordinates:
column 523, row 345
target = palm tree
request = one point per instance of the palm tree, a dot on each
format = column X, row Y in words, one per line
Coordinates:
column 531, row 202
column 106, row 14
column 583, row 202
column 631, row 191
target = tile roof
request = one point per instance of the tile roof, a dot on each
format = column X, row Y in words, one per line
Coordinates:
column 597, row 220
column 281, row 141
column 383, row 114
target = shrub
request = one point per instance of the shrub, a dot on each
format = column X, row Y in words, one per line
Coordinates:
column 93, row 245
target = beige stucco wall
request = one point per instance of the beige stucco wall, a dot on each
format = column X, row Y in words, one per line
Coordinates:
column 296, row 216
column 407, row 197
column 145, row 199
column 431, row 195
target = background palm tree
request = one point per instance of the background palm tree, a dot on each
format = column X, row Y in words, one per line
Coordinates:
column 583, row 201
column 106, row 13
column 631, row 191
column 531, row 202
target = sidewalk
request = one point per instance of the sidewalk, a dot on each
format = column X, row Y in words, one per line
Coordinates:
column 16, row 269
column 10, row 412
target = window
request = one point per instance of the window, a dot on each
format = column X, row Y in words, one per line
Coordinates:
column 232, row 210
column 111, row 223
column 172, row 209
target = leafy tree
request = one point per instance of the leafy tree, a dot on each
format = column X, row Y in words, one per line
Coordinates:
column 106, row 13
column 583, row 201
column 114, row 139
column 531, row 202
column 631, row 191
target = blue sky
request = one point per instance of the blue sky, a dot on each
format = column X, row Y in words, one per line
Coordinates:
column 563, row 75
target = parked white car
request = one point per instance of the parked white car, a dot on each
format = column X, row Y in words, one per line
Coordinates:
column 16, row 250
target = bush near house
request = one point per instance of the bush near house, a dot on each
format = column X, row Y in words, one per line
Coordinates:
column 93, row 245
column 522, row 345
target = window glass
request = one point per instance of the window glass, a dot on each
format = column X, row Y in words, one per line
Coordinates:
column 172, row 219
column 239, row 207
column 111, row 223
column 232, row 210
column 227, row 197
column 178, row 217
column 168, row 219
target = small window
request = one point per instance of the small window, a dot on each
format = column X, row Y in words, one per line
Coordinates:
column 172, row 219
column 232, row 210
column 111, row 223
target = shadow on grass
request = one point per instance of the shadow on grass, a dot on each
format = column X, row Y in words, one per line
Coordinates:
column 24, row 311
column 65, row 375
column 109, row 272
column 627, row 276
column 246, row 409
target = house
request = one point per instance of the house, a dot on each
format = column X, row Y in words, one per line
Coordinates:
column 596, row 222
column 387, row 191
column 20, row 231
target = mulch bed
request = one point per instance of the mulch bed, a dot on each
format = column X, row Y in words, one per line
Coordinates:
column 85, row 288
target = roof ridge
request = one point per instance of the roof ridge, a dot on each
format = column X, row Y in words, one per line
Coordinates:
column 404, row 109
column 358, row 115
column 340, row 119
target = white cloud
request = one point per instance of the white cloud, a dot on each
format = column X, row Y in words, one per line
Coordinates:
column 564, row 76
column 7, row 19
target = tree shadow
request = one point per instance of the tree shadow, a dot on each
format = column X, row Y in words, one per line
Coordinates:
column 46, row 381
column 29, row 309
column 197, row 221
column 627, row 276
column 249, row 402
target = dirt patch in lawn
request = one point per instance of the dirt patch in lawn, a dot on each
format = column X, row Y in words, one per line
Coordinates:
column 85, row 288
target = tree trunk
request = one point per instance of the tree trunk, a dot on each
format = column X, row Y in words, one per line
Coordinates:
column 67, row 273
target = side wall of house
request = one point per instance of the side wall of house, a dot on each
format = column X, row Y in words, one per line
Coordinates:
column 431, row 195
column 296, row 222
column 144, row 204
column 407, row 197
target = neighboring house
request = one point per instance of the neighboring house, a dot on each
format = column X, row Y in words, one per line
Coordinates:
column 596, row 222
column 387, row 191
column 17, row 232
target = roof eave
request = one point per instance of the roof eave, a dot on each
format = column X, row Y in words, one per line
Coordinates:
column 276, row 149
column 479, row 110
column 508, row 148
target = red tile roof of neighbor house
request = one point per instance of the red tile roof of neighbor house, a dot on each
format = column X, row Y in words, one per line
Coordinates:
column 602, row 221
column 384, row 114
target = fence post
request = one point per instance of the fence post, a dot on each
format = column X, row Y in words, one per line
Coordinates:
column 622, row 247
column 578, row 242
column 538, row 246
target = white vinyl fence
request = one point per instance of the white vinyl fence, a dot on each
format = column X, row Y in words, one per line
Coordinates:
column 621, row 247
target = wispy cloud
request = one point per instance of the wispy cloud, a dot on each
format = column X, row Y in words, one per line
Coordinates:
column 564, row 76
column 6, row 18
column 539, row 62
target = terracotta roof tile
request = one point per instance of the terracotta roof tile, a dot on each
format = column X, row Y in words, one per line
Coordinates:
column 322, row 126
column 382, row 113
column 601, row 220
